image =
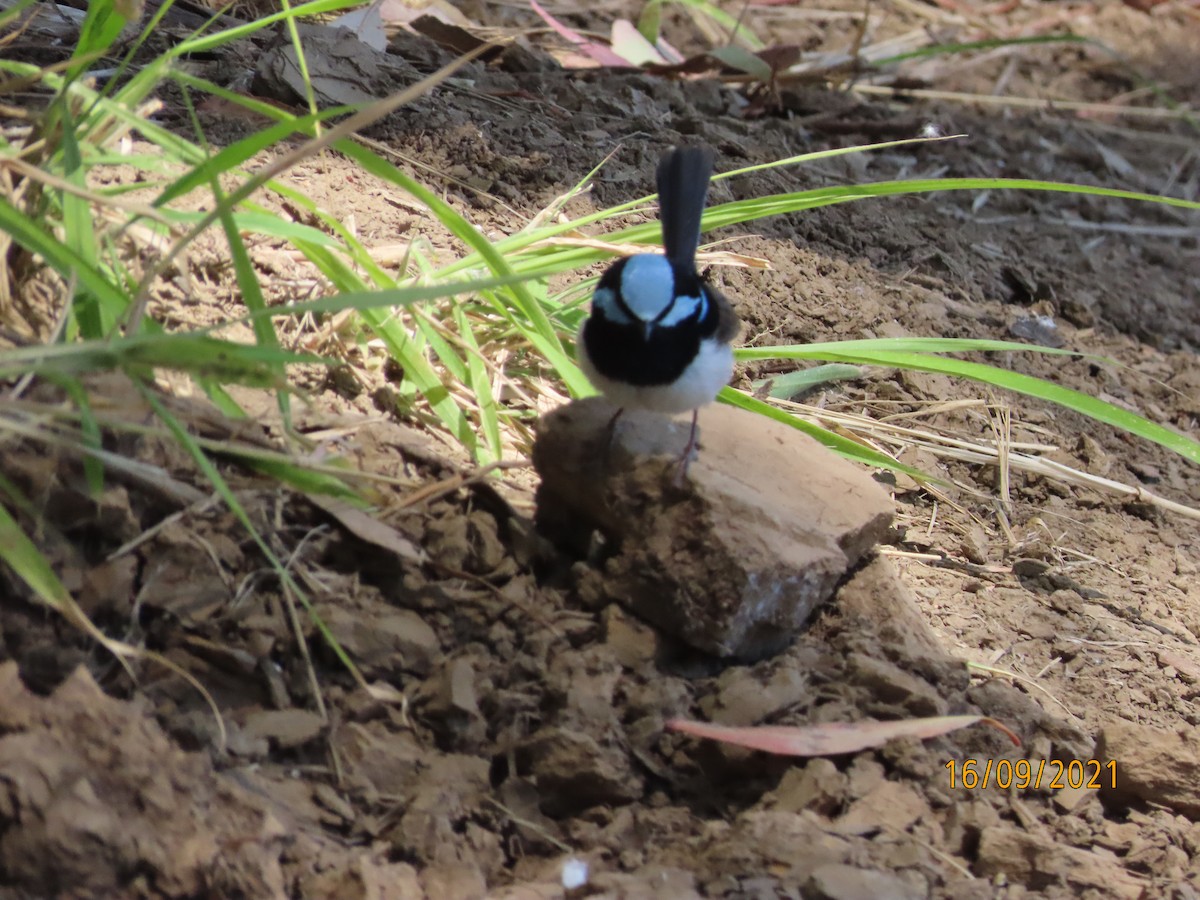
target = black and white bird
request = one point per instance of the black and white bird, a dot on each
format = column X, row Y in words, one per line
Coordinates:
column 659, row 336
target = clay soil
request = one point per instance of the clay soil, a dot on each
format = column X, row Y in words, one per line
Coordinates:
column 516, row 717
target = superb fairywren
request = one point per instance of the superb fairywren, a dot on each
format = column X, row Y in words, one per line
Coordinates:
column 658, row 336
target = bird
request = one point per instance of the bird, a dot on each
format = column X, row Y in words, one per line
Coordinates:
column 659, row 336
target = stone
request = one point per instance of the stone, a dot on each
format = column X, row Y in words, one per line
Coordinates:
column 818, row 786
column 449, row 702
column 633, row 643
column 835, row 881
column 1152, row 766
column 574, row 772
column 876, row 595
column 1040, row 864
column 735, row 558
column 285, row 728
column 383, row 643
column 891, row 806
column 747, row 697
column 889, row 683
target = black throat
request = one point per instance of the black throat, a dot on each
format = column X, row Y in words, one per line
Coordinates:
column 621, row 351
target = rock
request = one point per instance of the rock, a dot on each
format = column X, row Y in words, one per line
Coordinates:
column 1160, row 767
column 285, row 728
column 789, row 845
column 892, row 806
column 1029, row 568
column 650, row 882
column 383, row 642
column 736, row 558
column 876, row 594
column 1039, row 863
column 412, row 637
column 455, row 882
column 574, row 772
column 389, row 881
column 818, row 786
column 891, row 684
column 449, row 702
column 633, row 643
column 834, row 881
column 92, row 790
column 746, row 697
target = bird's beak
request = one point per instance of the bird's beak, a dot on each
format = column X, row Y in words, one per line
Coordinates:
column 649, row 327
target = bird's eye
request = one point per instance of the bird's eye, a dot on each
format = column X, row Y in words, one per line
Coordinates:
column 605, row 301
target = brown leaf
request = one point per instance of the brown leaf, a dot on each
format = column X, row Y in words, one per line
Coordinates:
column 365, row 528
column 833, row 738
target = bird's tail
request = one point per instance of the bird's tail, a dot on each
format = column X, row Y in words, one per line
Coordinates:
column 683, row 175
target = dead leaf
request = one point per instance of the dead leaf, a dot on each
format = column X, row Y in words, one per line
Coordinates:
column 833, row 738
column 453, row 37
column 629, row 44
column 366, row 24
column 398, row 12
column 704, row 257
column 366, row 528
column 601, row 54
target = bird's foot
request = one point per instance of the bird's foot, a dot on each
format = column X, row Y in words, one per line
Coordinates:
column 685, row 460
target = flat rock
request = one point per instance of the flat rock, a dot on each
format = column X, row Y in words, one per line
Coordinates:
column 574, row 772
column 885, row 605
column 891, row 806
column 835, row 881
column 1153, row 766
column 736, row 558
column 1042, row 865
column 287, row 728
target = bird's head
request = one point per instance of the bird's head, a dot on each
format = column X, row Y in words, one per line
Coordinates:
column 644, row 293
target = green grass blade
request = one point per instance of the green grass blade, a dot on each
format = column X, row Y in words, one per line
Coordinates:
column 1021, row 384
column 895, row 345
column 737, row 30
column 848, row 448
column 79, row 234
column 972, row 46
column 523, row 309
column 206, row 43
column 791, row 384
column 298, row 477
column 252, row 296
column 423, row 376
column 539, row 262
column 29, row 564
column 554, row 260
column 195, row 353
column 101, row 25
column 89, row 430
column 650, row 20
column 64, row 260
column 236, row 154
column 10, row 14
column 221, row 398
column 481, row 386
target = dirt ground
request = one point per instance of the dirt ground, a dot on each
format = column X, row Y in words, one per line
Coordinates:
column 517, row 717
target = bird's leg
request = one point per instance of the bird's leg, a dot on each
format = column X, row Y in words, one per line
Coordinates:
column 612, row 423
column 612, row 435
column 684, row 460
